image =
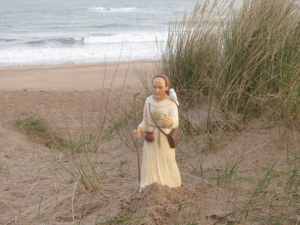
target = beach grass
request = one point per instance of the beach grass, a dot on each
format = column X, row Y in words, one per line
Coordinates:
column 245, row 58
column 39, row 128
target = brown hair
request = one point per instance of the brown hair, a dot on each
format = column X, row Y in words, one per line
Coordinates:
column 167, row 81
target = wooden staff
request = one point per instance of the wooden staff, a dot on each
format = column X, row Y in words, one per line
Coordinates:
column 137, row 139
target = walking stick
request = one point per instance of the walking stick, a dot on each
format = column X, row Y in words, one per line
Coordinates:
column 137, row 139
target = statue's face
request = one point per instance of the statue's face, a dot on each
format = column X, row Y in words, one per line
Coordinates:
column 159, row 88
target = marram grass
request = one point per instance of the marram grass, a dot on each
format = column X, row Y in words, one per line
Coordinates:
column 246, row 57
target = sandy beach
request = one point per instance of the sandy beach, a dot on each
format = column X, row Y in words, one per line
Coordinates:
column 80, row 77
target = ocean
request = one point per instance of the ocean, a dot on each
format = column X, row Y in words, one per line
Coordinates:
column 43, row 32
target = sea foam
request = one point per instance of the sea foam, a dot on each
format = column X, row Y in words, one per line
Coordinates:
column 109, row 52
column 132, row 38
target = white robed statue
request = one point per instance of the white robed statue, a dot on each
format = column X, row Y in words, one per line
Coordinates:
column 158, row 159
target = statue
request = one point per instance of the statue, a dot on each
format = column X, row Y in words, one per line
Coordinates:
column 158, row 159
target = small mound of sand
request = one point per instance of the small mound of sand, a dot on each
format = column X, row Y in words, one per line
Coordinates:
column 157, row 204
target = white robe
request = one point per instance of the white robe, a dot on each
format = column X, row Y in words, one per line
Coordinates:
column 158, row 160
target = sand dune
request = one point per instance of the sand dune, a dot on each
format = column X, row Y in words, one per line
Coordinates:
column 37, row 188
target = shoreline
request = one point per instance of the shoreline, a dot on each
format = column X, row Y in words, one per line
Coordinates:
column 76, row 62
column 71, row 77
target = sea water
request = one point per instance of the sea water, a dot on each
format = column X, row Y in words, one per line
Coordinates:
column 40, row 32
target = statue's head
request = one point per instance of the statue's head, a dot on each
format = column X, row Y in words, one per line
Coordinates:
column 160, row 86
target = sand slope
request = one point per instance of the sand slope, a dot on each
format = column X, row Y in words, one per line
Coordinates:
column 37, row 185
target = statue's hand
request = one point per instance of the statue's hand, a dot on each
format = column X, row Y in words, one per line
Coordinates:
column 138, row 133
column 168, row 121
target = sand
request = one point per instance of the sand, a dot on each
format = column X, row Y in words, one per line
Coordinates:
column 74, row 90
column 37, row 186
column 67, row 96
column 80, row 77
